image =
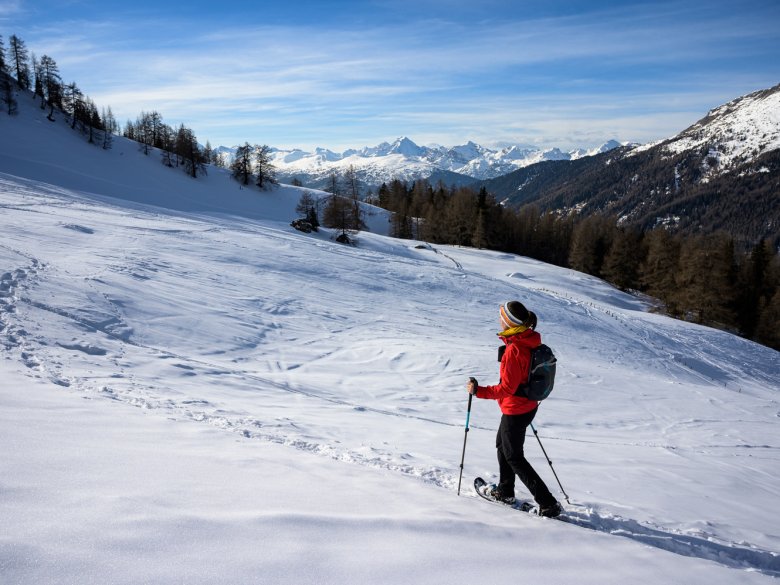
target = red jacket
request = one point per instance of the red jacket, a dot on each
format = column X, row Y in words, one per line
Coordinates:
column 514, row 371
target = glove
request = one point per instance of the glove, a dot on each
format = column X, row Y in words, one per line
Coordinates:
column 472, row 386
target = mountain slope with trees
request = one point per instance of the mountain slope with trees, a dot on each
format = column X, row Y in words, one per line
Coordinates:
column 721, row 174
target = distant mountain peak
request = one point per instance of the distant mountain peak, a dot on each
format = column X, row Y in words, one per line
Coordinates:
column 404, row 158
column 406, row 147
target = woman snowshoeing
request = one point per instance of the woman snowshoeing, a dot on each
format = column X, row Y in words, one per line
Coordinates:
column 517, row 412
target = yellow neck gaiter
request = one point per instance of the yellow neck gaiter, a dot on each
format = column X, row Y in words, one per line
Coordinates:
column 513, row 331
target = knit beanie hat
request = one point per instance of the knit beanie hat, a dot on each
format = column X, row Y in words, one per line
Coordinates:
column 514, row 314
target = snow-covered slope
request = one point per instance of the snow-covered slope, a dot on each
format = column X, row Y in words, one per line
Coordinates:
column 194, row 392
column 35, row 148
column 734, row 133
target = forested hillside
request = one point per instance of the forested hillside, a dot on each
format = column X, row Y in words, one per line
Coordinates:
column 721, row 174
column 702, row 277
column 651, row 189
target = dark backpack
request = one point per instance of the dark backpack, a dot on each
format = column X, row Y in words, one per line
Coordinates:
column 541, row 376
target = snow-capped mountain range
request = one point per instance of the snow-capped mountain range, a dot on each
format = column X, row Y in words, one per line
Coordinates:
column 404, row 159
column 733, row 133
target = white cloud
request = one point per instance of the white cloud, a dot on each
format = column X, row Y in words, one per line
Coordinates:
column 555, row 79
column 10, row 7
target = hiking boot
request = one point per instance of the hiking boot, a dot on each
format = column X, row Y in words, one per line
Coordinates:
column 492, row 491
column 552, row 511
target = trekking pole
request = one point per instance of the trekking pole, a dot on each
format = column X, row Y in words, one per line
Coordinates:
column 466, row 436
column 533, row 428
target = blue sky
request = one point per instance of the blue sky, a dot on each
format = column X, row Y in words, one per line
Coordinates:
column 342, row 74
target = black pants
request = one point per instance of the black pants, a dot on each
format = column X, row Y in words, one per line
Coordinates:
column 512, row 461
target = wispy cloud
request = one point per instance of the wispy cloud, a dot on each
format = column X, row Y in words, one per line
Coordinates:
column 9, row 8
column 631, row 73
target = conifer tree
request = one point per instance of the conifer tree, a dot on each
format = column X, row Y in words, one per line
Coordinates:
column 705, row 279
column 241, row 167
column 72, row 102
column 480, row 235
column 130, row 131
column 158, row 132
column 351, row 183
column 7, row 95
column 657, row 273
column 334, row 184
column 2, row 56
column 265, row 171
column 526, row 231
column 168, row 151
column 591, row 239
column 338, row 215
column 768, row 326
column 144, row 132
column 479, row 239
column 343, row 213
column 420, row 198
column 462, row 217
column 434, row 226
column 555, row 235
column 37, row 80
column 490, row 222
column 90, row 122
column 187, row 149
column 621, row 264
column 356, row 211
column 383, row 196
column 19, row 61
column 110, row 128
column 51, row 82
column 756, row 287
column 399, row 202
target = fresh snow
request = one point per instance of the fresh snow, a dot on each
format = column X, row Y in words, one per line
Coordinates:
column 740, row 130
column 193, row 392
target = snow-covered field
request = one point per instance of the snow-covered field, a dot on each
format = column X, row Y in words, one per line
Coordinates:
column 196, row 393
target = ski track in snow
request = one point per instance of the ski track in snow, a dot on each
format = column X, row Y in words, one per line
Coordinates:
column 697, row 545
column 703, row 545
column 102, row 337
